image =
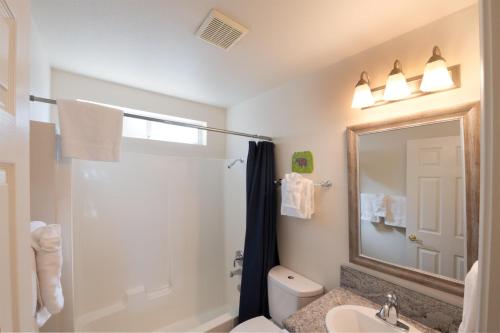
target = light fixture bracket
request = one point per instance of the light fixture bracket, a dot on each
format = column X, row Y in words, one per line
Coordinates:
column 363, row 79
column 436, row 55
column 398, row 68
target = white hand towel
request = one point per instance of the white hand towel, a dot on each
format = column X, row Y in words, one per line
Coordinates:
column 396, row 211
column 297, row 195
column 90, row 131
column 471, row 301
column 292, row 188
column 46, row 241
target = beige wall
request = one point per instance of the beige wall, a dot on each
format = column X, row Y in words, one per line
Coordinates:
column 73, row 86
column 39, row 77
column 312, row 112
column 42, row 172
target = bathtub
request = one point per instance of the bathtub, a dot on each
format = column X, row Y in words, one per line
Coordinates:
column 219, row 320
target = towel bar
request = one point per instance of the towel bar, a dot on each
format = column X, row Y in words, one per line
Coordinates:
column 324, row 184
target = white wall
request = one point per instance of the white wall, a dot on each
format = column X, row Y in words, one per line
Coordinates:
column 312, row 112
column 382, row 169
column 39, row 77
column 73, row 86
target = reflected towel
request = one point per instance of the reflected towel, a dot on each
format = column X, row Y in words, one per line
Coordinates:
column 372, row 207
column 396, row 211
column 90, row 131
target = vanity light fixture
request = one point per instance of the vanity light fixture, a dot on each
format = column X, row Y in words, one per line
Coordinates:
column 436, row 74
column 362, row 93
column 436, row 78
column 396, row 87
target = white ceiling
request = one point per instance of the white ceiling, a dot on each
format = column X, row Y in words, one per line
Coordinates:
column 150, row 44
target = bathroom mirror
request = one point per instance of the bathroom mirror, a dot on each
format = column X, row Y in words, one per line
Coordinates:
column 414, row 196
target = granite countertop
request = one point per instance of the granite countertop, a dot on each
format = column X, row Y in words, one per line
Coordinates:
column 311, row 318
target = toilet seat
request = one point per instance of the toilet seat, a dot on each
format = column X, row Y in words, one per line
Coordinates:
column 257, row 324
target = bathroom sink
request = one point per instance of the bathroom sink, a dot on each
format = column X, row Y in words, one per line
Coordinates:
column 355, row 318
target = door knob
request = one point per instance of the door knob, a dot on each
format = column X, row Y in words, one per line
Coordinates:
column 412, row 237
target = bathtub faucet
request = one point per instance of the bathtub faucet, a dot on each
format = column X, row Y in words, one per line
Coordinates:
column 235, row 272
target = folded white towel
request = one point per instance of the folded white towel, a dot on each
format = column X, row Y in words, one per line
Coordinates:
column 90, row 131
column 471, row 302
column 297, row 196
column 46, row 241
column 372, row 207
column 396, row 211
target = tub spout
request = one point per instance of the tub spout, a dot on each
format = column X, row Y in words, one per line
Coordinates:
column 235, row 272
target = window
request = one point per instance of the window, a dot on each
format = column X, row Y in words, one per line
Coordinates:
column 151, row 130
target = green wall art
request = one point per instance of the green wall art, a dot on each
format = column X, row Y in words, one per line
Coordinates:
column 302, row 162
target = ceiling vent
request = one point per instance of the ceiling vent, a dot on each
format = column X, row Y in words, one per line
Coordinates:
column 220, row 30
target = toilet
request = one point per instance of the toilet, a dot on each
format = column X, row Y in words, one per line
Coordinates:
column 288, row 292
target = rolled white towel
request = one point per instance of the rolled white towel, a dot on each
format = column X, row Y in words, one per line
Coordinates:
column 46, row 240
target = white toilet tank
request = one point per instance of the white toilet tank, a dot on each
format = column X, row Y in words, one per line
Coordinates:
column 288, row 292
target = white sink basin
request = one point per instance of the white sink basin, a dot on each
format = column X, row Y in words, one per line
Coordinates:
column 355, row 318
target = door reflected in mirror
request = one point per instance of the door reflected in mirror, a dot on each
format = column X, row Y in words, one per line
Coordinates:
column 411, row 198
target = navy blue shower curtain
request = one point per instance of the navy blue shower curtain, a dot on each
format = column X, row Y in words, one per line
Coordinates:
column 261, row 245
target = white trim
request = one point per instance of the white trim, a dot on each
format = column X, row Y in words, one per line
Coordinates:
column 7, row 299
column 489, row 242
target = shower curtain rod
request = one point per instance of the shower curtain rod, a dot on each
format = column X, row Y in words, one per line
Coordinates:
column 170, row 122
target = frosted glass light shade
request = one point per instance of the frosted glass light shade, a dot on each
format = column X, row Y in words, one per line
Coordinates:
column 436, row 77
column 396, row 87
column 362, row 96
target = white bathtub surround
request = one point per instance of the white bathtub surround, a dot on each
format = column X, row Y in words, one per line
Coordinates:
column 155, row 224
column 90, row 131
column 221, row 319
column 46, row 242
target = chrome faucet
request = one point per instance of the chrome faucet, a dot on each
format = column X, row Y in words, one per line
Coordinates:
column 238, row 258
column 235, row 272
column 238, row 261
column 389, row 312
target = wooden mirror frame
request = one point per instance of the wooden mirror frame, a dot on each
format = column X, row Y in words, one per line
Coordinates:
column 468, row 115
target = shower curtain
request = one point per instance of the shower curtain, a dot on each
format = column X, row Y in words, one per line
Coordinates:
column 261, row 246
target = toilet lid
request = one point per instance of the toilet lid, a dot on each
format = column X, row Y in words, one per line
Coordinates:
column 257, row 324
